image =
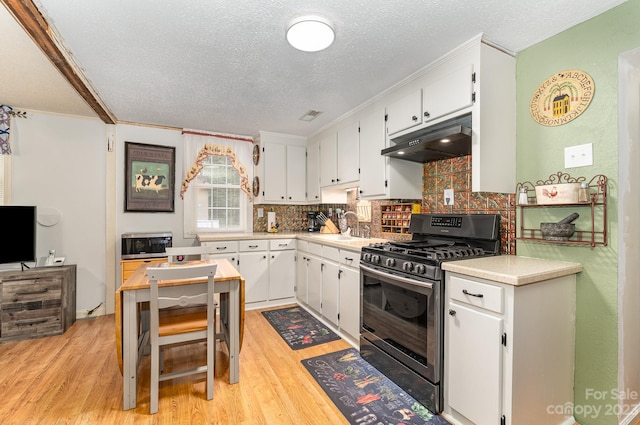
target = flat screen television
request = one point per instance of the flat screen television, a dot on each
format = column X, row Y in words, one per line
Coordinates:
column 21, row 246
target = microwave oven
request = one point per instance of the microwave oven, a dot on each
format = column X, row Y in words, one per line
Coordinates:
column 145, row 245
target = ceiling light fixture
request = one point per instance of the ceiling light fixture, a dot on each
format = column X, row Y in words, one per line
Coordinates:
column 310, row 33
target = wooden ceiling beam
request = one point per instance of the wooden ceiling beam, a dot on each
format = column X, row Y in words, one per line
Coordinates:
column 32, row 21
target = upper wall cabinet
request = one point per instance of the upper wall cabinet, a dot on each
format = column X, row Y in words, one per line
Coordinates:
column 382, row 177
column 281, row 170
column 313, row 171
column 339, row 160
column 449, row 93
column 404, row 113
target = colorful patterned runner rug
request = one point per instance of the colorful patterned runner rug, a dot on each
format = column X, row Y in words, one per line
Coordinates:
column 363, row 394
column 298, row 327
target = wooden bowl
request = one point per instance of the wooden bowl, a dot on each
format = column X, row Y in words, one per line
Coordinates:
column 556, row 231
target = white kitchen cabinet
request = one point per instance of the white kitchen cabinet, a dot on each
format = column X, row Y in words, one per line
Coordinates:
column 282, row 269
column 448, row 93
column 254, row 267
column 349, row 293
column 509, row 350
column 313, row 171
column 296, row 173
column 281, row 169
column 328, row 160
column 302, row 264
column 347, row 155
column 314, row 283
column 404, row 113
column 330, row 288
column 382, row 177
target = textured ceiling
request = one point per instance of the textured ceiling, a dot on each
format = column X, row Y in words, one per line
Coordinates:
column 225, row 65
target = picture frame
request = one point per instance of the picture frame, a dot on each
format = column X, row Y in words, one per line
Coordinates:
column 149, row 178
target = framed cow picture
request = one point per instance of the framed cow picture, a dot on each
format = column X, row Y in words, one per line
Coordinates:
column 149, row 178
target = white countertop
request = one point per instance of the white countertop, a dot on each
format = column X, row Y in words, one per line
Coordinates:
column 324, row 238
column 512, row 269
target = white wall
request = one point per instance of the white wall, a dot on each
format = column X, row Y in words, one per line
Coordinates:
column 59, row 162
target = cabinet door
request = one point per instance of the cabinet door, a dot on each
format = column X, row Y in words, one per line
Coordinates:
column 282, row 274
column 448, row 94
column 474, row 362
column 275, row 172
column 330, row 288
column 348, row 153
column 302, row 263
column 372, row 164
column 254, row 267
column 404, row 113
column 313, row 171
column 314, row 283
column 296, row 173
column 328, row 163
column 350, row 301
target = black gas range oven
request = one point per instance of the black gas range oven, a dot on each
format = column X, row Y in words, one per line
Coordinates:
column 402, row 291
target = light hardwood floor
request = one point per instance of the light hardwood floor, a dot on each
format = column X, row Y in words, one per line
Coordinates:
column 74, row 379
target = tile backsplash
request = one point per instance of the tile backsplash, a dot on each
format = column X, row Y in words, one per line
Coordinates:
column 437, row 176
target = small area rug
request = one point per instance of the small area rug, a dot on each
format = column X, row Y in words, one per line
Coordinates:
column 298, row 327
column 363, row 394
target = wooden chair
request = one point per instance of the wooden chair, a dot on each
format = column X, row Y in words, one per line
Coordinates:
column 181, row 254
column 169, row 326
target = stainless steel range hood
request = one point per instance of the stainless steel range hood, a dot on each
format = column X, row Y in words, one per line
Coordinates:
column 448, row 139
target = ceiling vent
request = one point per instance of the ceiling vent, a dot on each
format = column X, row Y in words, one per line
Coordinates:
column 310, row 115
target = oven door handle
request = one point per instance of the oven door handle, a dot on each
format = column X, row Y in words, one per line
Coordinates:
column 396, row 278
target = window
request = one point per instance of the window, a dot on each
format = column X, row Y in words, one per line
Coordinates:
column 219, row 204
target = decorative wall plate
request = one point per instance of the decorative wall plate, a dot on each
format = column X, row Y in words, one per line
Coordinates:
column 256, row 186
column 562, row 97
column 256, row 154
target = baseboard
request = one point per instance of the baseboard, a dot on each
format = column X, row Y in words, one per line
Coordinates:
column 91, row 313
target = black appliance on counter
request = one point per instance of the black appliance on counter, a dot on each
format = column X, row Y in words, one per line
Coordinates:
column 313, row 224
column 402, row 297
column 145, row 245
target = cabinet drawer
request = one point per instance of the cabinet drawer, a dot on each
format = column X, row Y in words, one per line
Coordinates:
column 281, row 244
column 130, row 266
column 330, row 253
column 479, row 294
column 302, row 245
column 223, row 247
column 30, row 323
column 350, row 258
column 31, row 306
column 261, row 245
column 315, row 248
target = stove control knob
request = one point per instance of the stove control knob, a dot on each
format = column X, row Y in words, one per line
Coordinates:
column 375, row 259
column 366, row 257
column 390, row 262
column 407, row 266
column 421, row 269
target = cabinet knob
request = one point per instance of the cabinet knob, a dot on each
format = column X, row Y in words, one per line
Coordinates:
column 414, row 118
column 427, row 114
column 337, row 180
column 289, row 197
column 282, row 197
column 333, row 180
column 452, row 312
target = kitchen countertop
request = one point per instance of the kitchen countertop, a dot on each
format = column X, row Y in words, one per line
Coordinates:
column 335, row 240
column 512, row 269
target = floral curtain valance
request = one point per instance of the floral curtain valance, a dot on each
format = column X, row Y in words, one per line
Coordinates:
column 211, row 149
column 5, row 122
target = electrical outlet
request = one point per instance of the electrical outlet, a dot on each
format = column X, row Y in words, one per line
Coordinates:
column 578, row 156
column 260, row 212
column 448, row 196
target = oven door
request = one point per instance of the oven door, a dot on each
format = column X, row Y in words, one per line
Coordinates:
column 402, row 316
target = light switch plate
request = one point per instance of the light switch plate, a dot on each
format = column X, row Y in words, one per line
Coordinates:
column 448, row 196
column 578, row 156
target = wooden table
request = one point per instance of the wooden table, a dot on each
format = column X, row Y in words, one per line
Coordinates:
column 135, row 290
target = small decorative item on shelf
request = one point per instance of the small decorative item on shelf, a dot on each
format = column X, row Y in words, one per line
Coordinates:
column 583, row 193
column 523, row 198
column 559, row 188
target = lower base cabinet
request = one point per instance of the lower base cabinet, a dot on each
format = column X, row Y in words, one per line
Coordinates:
column 37, row 302
column 509, row 351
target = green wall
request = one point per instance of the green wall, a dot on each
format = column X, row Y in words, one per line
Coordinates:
column 593, row 47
